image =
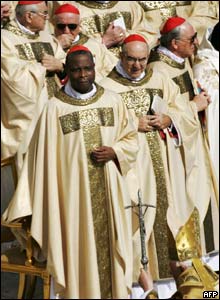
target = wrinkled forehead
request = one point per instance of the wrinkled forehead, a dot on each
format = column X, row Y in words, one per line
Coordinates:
column 136, row 49
column 67, row 18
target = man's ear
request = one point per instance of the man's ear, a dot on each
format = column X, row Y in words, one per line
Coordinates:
column 28, row 16
column 174, row 44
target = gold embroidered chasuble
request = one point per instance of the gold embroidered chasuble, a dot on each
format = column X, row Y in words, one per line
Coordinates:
column 78, row 209
column 200, row 180
column 26, row 86
column 199, row 14
column 151, row 171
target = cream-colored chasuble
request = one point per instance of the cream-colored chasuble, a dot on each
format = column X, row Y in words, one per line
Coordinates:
column 78, row 210
column 25, row 85
column 152, row 170
column 201, row 183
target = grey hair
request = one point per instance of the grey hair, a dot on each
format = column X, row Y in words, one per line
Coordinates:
column 20, row 10
column 166, row 39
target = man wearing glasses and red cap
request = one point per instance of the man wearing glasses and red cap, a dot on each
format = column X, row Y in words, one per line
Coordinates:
column 66, row 22
column 200, row 14
column 178, row 43
column 109, row 22
column 85, row 234
column 31, row 59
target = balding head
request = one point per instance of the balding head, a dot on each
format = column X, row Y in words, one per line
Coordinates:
column 134, row 57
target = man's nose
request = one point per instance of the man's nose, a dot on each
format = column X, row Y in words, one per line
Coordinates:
column 137, row 62
column 82, row 73
column 66, row 30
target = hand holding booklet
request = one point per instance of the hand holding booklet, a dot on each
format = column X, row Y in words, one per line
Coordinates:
column 120, row 22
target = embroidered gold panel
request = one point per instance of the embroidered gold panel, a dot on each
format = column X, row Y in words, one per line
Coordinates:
column 114, row 75
column 140, row 100
column 87, row 118
column 160, row 224
column 96, row 5
column 99, row 202
column 153, row 5
column 99, row 23
column 18, row 32
column 73, row 101
column 34, row 51
column 185, row 84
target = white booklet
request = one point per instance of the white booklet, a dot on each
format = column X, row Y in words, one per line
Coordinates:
column 120, row 22
column 159, row 105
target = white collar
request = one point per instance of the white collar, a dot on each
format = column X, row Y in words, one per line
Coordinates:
column 73, row 93
column 170, row 54
column 122, row 72
column 24, row 29
column 76, row 39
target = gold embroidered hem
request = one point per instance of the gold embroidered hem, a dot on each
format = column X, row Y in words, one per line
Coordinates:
column 158, row 56
column 17, row 31
column 73, row 101
column 114, row 75
column 94, row 4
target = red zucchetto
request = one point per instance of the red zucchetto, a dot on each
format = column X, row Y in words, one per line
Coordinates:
column 134, row 38
column 78, row 48
column 172, row 23
column 29, row 2
column 67, row 8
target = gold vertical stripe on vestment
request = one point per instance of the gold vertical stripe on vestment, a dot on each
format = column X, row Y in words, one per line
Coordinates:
column 160, row 224
column 140, row 101
column 90, row 121
column 92, row 138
